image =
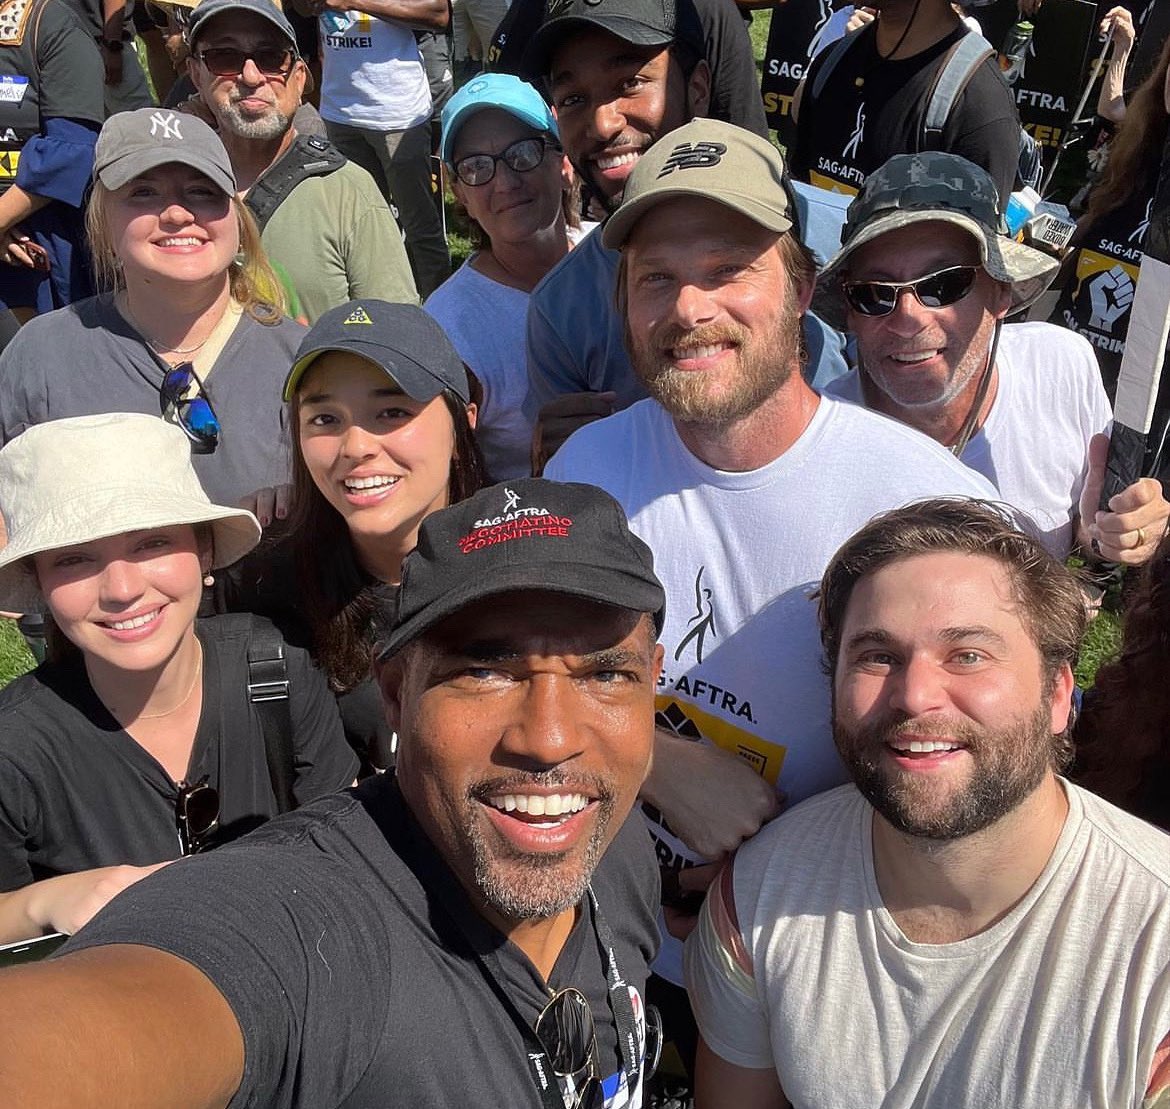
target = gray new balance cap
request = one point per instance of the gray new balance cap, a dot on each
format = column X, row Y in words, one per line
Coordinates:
column 131, row 143
column 207, row 9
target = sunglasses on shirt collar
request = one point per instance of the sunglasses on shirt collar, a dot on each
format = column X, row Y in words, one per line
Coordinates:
column 935, row 290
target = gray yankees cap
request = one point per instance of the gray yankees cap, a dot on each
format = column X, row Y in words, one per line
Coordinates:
column 130, row 143
column 940, row 187
column 208, row 9
column 712, row 159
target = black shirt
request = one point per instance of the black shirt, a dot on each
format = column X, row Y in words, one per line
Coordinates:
column 848, row 131
column 77, row 792
column 352, row 983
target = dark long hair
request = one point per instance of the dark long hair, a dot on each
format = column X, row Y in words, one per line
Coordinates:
column 1123, row 737
column 341, row 604
column 1136, row 150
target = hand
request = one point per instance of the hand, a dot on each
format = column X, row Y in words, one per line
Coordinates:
column 1136, row 521
column 269, row 504
column 712, row 800
column 680, row 922
column 68, row 902
column 1120, row 22
column 1028, row 7
column 561, row 417
column 113, row 63
column 18, row 249
column 1110, row 295
column 859, row 18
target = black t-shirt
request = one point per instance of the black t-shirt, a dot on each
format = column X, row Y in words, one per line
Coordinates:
column 352, row 983
column 76, row 791
column 55, row 72
column 735, row 84
column 848, row 131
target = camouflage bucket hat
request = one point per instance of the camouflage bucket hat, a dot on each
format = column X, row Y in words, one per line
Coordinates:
column 916, row 188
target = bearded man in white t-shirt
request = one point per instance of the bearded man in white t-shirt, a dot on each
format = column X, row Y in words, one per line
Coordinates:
column 743, row 481
column 924, row 280
column 960, row 927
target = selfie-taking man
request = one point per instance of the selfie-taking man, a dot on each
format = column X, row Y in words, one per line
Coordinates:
column 473, row 931
column 968, row 927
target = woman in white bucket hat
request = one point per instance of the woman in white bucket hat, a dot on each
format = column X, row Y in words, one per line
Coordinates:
column 137, row 741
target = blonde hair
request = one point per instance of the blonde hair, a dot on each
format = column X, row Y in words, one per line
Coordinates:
column 253, row 282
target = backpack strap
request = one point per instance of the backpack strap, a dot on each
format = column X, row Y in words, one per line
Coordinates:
column 309, row 156
column 268, row 689
column 833, row 57
column 950, row 79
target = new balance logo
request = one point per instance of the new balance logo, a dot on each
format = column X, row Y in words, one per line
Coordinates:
column 169, row 124
column 358, row 315
column 693, row 155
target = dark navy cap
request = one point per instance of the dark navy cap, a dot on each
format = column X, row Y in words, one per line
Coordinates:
column 399, row 338
column 207, row 9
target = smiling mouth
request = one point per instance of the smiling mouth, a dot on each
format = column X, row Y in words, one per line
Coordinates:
column 909, row 748
column 913, row 357
column 184, row 240
column 133, row 622
column 707, row 350
column 369, row 484
column 616, row 161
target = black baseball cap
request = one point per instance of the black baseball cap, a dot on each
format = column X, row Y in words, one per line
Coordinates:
column 525, row 534
column 209, row 9
column 399, row 338
column 638, row 22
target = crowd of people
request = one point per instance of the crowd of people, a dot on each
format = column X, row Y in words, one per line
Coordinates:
column 634, row 669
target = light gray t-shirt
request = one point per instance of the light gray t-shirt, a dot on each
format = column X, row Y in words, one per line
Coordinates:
column 740, row 555
column 797, row 964
column 86, row 359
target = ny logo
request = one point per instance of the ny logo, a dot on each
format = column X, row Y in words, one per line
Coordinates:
column 693, row 155
column 511, row 499
column 168, row 121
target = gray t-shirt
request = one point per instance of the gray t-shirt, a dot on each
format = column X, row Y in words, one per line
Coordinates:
column 86, row 359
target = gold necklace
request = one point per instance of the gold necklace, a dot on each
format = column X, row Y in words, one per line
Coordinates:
column 186, row 696
column 154, row 344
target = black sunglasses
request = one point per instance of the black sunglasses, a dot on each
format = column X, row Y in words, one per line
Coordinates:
column 193, row 414
column 566, row 1032
column 935, row 290
column 196, row 815
column 227, row 61
column 523, row 156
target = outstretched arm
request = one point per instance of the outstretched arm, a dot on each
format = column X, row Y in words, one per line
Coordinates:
column 722, row 1085
column 121, row 1025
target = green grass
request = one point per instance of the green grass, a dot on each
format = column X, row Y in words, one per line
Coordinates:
column 15, row 658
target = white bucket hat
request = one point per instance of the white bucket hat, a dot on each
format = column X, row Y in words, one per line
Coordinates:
column 89, row 477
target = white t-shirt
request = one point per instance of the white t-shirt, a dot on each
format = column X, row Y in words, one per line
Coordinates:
column 740, row 555
column 372, row 73
column 1033, row 446
column 1061, row 1003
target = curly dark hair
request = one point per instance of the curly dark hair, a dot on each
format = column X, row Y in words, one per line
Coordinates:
column 1123, row 736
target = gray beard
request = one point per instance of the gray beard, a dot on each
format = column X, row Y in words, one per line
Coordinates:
column 272, row 125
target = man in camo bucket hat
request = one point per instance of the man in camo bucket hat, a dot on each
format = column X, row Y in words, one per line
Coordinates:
column 933, row 185
column 924, row 280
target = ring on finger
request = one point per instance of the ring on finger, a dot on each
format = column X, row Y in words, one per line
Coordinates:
column 1141, row 538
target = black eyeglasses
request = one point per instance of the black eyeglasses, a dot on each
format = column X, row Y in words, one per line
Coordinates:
column 193, row 414
column 227, row 61
column 935, row 290
column 523, row 156
column 566, row 1032
column 196, row 815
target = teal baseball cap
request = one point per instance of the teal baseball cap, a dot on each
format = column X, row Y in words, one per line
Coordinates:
column 494, row 90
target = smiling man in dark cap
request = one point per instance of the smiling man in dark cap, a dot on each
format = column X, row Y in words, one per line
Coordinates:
column 472, row 931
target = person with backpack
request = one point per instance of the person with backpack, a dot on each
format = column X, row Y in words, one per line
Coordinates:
column 868, row 97
column 147, row 734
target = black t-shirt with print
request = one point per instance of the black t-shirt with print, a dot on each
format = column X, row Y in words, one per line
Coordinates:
column 76, row 791
column 353, row 980
column 848, row 131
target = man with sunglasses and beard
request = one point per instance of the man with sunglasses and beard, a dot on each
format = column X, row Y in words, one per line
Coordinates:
column 321, row 217
column 744, row 482
column 471, row 930
column 961, row 926
column 924, row 280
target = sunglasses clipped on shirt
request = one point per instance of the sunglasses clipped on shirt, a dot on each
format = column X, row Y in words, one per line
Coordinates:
column 228, row 61
column 193, row 414
column 522, row 156
column 196, row 816
column 935, row 290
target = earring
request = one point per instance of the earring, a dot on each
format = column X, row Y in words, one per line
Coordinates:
column 239, row 260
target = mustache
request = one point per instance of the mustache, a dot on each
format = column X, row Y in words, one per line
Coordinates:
column 593, row 786
column 675, row 335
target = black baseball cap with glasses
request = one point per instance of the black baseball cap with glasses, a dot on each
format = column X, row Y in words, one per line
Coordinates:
column 934, row 290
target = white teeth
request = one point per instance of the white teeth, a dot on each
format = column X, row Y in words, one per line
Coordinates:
column 698, row 352
column 535, row 804
column 928, row 747
column 136, row 622
column 618, row 160
column 914, row 356
column 188, row 241
column 376, row 482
